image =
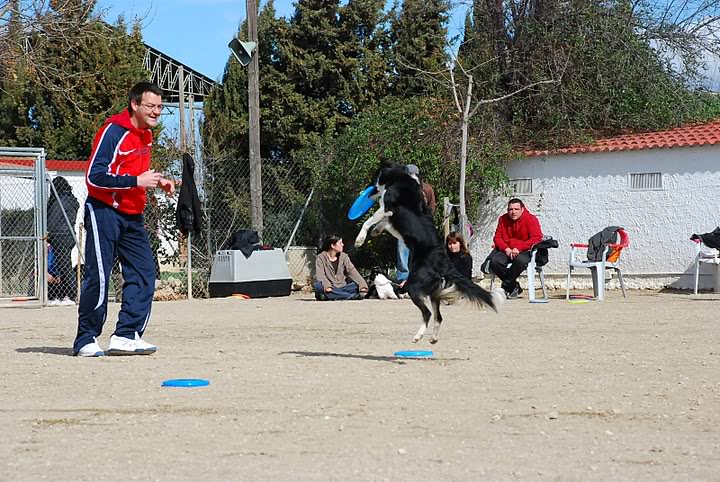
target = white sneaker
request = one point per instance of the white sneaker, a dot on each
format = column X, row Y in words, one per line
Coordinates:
column 127, row 346
column 54, row 303
column 91, row 349
column 66, row 302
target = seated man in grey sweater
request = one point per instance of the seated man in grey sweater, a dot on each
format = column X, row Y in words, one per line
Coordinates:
column 336, row 278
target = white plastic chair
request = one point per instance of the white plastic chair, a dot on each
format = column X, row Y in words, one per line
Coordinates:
column 704, row 255
column 532, row 268
column 598, row 267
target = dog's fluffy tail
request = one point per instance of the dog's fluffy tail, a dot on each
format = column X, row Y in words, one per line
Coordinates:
column 459, row 287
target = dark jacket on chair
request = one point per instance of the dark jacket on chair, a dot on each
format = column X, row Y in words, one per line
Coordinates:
column 711, row 240
column 597, row 243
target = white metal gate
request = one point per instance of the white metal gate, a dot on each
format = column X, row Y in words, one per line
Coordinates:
column 23, row 195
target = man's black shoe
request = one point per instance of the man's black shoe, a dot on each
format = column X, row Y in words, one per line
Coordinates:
column 320, row 296
column 513, row 295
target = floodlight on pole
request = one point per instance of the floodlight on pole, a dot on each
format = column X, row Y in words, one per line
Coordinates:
column 243, row 51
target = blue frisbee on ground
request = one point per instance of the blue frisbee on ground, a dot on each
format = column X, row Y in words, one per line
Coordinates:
column 362, row 204
column 414, row 354
column 186, row 382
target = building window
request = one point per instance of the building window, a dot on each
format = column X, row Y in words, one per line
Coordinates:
column 521, row 187
column 645, row 181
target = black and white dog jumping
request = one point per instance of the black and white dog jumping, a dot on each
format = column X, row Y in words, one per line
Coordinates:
column 404, row 214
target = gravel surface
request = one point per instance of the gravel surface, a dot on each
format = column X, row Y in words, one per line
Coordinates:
column 306, row 390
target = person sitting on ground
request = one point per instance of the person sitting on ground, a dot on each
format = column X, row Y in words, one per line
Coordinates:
column 336, row 278
column 517, row 232
column 458, row 253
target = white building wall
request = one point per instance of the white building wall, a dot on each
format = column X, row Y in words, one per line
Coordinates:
column 577, row 195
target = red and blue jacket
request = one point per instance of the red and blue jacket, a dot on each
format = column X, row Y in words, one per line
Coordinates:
column 120, row 153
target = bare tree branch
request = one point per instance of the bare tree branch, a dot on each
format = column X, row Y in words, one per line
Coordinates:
column 511, row 94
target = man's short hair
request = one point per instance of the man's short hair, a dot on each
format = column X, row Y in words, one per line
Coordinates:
column 136, row 93
column 516, row 201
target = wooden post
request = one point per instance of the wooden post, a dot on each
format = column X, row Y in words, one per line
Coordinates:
column 447, row 210
column 183, row 148
column 256, row 213
column 189, row 264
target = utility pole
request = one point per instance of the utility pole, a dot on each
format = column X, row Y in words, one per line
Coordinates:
column 256, row 215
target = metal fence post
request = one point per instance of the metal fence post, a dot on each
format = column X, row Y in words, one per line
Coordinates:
column 189, row 265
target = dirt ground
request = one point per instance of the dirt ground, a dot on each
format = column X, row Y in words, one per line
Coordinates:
column 306, row 390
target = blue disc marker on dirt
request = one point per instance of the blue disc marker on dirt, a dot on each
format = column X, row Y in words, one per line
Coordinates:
column 186, row 382
column 582, row 297
column 414, row 354
column 362, row 204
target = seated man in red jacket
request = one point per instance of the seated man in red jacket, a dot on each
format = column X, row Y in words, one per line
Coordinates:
column 517, row 232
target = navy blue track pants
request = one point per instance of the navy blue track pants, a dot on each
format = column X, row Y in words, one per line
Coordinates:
column 111, row 233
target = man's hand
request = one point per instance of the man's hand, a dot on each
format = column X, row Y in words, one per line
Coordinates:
column 328, row 289
column 149, row 179
column 508, row 253
column 167, row 185
column 514, row 253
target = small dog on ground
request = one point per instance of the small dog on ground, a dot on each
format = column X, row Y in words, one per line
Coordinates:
column 386, row 289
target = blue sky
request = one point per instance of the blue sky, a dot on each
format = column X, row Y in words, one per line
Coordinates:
column 196, row 32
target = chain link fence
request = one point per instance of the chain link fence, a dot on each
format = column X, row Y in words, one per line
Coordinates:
column 224, row 189
column 295, row 218
column 22, row 249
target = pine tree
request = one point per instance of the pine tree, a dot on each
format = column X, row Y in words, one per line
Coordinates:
column 225, row 128
column 317, row 71
column 361, row 55
column 419, row 32
column 314, row 71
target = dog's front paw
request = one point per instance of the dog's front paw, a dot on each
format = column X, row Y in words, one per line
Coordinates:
column 417, row 338
column 360, row 240
column 433, row 340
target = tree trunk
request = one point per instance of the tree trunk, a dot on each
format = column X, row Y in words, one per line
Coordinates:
column 463, row 159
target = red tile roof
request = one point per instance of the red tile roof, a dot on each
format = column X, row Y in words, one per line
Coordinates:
column 707, row 134
column 50, row 164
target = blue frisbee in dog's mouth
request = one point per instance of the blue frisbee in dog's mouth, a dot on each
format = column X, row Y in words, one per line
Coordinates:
column 414, row 353
column 362, row 204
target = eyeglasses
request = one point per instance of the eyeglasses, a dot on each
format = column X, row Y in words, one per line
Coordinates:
column 153, row 107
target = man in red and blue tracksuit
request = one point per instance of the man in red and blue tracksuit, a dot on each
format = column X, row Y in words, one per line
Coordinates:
column 117, row 176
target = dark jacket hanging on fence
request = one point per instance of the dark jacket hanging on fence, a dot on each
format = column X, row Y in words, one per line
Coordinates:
column 189, row 210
